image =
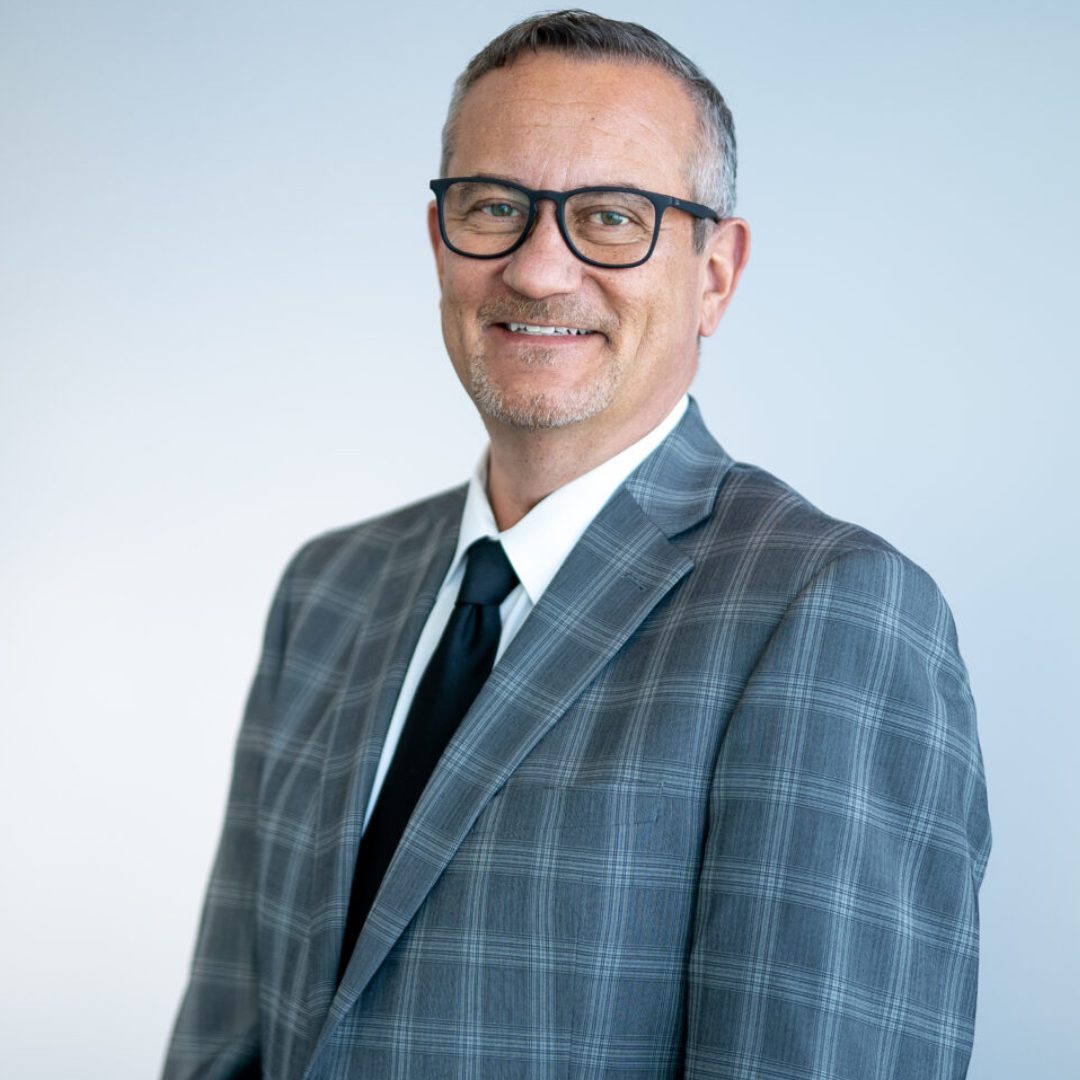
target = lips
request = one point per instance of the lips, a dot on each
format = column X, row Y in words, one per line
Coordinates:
column 540, row 330
column 567, row 318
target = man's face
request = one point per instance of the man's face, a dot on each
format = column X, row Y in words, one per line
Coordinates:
column 555, row 122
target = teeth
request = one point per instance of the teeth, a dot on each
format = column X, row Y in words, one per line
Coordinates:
column 550, row 331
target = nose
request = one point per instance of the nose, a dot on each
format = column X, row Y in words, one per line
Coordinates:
column 543, row 265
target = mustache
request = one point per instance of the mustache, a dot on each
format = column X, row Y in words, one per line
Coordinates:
column 565, row 312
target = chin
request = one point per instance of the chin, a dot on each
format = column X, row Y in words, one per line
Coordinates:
column 540, row 410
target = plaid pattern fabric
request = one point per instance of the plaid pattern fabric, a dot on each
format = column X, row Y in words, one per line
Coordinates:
column 718, row 812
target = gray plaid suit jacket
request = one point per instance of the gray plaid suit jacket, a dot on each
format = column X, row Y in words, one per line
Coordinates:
column 718, row 812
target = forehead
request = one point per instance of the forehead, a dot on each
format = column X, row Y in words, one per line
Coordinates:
column 558, row 121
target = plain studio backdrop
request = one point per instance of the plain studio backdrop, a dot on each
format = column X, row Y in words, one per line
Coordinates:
column 219, row 336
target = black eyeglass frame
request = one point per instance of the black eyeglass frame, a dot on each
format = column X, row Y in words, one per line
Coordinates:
column 559, row 198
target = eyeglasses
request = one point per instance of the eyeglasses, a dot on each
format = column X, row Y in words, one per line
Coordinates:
column 612, row 227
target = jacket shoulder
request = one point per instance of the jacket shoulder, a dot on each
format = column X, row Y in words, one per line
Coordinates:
column 758, row 518
column 343, row 553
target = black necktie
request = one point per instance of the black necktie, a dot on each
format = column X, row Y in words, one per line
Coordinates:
column 461, row 663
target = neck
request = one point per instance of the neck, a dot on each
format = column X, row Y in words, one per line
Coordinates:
column 525, row 466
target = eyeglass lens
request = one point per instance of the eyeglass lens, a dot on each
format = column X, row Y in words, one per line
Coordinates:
column 488, row 218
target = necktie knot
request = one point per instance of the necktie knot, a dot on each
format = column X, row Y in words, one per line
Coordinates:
column 489, row 577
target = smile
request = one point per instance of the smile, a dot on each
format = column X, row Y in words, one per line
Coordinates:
column 545, row 331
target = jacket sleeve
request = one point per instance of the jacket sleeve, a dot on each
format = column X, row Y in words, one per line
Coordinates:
column 836, row 930
column 216, row 1036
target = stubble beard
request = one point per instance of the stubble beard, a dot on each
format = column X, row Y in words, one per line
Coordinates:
column 544, row 410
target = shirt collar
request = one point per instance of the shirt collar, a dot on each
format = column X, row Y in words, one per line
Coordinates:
column 539, row 543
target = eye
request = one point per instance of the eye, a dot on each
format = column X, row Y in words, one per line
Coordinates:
column 499, row 210
column 610, row 218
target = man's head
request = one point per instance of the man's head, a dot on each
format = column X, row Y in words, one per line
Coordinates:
column 570, row 101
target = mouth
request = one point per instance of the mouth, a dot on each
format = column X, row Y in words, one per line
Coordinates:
column 538, row 330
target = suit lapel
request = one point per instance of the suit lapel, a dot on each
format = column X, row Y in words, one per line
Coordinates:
column 624, row 565
column 588, row 612
column 411, row 570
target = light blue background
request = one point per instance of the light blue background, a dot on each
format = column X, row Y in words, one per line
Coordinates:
column 218, row 335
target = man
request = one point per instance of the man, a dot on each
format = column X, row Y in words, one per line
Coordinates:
column 718, row 808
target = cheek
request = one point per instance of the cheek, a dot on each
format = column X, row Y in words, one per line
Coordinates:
column 662, row 302
column 453, row 306
column 462, row 294
column 463, row 289
column 660, row 319
column 660, row 324
column 454, row 329
column 678, row 305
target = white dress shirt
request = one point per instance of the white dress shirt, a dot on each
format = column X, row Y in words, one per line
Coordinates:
column 536, row 547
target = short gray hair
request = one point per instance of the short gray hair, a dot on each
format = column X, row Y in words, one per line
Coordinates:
column 592, row 37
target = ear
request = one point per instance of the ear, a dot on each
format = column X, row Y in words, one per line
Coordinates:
column 436, row 239
column 726, row 253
